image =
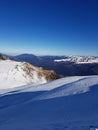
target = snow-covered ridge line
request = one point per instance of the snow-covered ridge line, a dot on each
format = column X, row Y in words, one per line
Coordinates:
column 79, row 59
column 79, row 86
column 13, row 74
column 42, row 87
column 57, row 88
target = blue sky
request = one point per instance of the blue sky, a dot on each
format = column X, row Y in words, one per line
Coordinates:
column 58, row 27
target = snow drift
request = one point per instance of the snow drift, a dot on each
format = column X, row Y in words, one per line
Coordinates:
column 64, row 104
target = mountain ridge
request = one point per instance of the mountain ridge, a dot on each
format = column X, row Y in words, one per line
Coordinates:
column 22, row 73
column 63, row 65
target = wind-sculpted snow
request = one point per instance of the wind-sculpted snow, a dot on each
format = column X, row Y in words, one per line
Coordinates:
column 65, row 104
column 43, row 87
column 81, row 86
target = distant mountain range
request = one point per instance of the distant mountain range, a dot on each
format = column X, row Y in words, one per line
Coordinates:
column 63, row 65
column 79, row 59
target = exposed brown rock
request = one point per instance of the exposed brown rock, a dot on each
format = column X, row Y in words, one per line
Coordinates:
column 3, row 57
column 48, row 74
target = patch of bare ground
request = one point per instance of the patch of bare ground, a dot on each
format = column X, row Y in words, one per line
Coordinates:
column 48, row 74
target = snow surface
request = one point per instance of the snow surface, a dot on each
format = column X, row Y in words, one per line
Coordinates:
column 12, row 74
column 65, row 104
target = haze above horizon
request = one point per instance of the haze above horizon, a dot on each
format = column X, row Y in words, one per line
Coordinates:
column 49, row 27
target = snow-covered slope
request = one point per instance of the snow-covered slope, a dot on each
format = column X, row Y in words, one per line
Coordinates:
column 65, row 104
column 13, row 74
column 79, row 59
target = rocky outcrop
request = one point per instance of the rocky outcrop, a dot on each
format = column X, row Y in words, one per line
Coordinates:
column 48, row 74
column 3, row 57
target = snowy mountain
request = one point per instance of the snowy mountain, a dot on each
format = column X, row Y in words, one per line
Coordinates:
column 13, row 74
column 37, row 60
column 62, row 65
column 65, row 104
column 79, row 59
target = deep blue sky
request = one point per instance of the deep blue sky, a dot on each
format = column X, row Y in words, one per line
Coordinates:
column 59, row 27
